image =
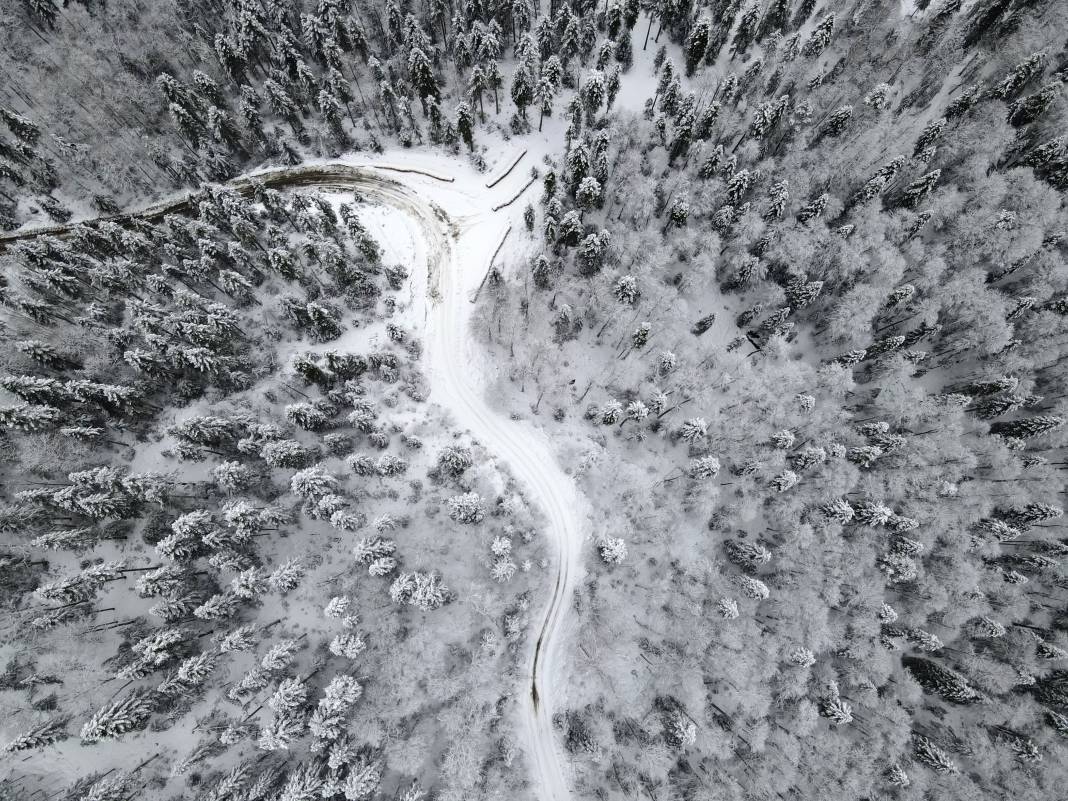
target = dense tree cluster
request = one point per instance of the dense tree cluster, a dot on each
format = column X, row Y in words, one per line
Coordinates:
column 816, row 290
column 808, row 311
column 170, row 486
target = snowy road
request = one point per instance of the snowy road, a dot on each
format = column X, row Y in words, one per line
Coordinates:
column 458, row 246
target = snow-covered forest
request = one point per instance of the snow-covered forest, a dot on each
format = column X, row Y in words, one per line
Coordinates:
column 631, row 399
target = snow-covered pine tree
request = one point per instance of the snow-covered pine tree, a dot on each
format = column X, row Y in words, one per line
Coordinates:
column 40, row 736
column 119, row 717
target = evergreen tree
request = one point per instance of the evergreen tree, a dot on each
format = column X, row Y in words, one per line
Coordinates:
column 931, row 755
column 813, row 209
column 776, row 18
column 522, row 90
column 1025, row 111
column 1020, row 75
column 593, row 94
column 929, row 135
column 837, row 122
column 465, row 124
column 467, row 508
column 130, row 713
column 820, row 38
column 917, row 191
column 1027, row 428
column 779, row 195
column 941, row 680
column 746, row 31
column 422, row 77
column 804, row 11
column 697, row 43
column 40, row 736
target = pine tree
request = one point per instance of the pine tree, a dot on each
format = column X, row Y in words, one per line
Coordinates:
column 593, row 94
column 941, row 680
column 522, row 90
column 1023, row 112
column 776, row 18
column 588, row 194
column 804, row 11
column 728, row 608
column 749, row 555
column 40, row 736
column 879, row 181
column 640, row 337
column 838, row 510
column 465, row 124
column 961, row 106
column 467, row 508
column 195, row 670
column 779, row 195
column 29, row 417
column 119, row 717
column 422, row 77
column 287, row 576
column 348, row 645
column 1020, row 76
column 737, row 186
column 243, row 638
column 746, row 30
column 917, row 191
column 753, row 588
column 613, row 550
column 836, row 122
column 697, row 43
column 423, row 590
column 678, row 214
column 363, row 779
column 1024, row 517
column 820, row 38
column 813, row 209
column 1058, row 722
column 1027, row 428
column 931, row 755
column 279, row 656
column 279, row 734
column 839, row 712
column 929, row 135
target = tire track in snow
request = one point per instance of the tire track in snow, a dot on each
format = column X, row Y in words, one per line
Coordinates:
column 451, row 248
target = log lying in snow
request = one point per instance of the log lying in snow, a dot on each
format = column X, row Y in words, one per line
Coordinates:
column 489, row 267
column 443, row 179
column 500, row 206
column 506, row 173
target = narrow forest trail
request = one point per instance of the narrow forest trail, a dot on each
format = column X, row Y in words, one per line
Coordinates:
column 459, row 247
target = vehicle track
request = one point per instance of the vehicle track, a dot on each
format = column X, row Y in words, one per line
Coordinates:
column 451, row 250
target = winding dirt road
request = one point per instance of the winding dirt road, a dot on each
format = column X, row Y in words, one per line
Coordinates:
column 458, row 253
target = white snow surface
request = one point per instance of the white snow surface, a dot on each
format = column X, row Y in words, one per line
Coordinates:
column 457, row 234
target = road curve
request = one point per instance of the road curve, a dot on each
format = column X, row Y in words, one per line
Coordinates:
column 457, row 259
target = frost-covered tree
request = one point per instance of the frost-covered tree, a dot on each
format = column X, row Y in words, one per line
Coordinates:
column 468, row 508
column 613, row 550
column 752, row 588
column 40, row 736
column 693, row 430
column 925, row 751
column 287, row 576
column 423, row 590
column 349, row 645
column 119, row 717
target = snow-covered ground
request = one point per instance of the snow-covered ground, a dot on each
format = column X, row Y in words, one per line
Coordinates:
column 440, row 217
column 456, row 234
